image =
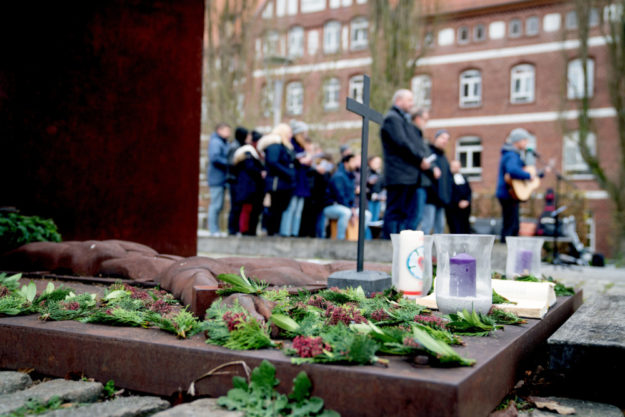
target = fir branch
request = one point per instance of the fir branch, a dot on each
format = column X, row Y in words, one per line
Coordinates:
column 505, row 317
column 499, row 299
column 240, row 284
column 248, row 336
column 471, row 324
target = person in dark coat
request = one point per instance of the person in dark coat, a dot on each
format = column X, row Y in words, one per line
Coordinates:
column 459, row 209
column 249, row 187
column 420, row 117
column 511, row 164
column 439, row 193
column 402, row 164
column 319, row 199
column 280, row 179
column 217, row 171
column 241, row 137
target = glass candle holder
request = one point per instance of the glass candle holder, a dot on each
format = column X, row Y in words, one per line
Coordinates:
column 428, row 242
column 463, row 274
column 524, row 255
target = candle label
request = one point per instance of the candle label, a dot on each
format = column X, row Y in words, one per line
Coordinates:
column 414, row 263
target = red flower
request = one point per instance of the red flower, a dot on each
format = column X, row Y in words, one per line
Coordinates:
column 347, row 314
column 409, row 341
column 380, row 315
column 431, row 321
column 4, row 291
column 233, row 320
column 309, row 347
column 160, row 306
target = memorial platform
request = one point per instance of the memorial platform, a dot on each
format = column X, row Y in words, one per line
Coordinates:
column 151, row 361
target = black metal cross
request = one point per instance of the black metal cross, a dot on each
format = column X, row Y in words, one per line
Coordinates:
column 368, row 115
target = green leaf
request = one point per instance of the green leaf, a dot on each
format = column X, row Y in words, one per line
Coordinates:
column 263, row 377
column 239, row 382
column 29, row 292
column 301, row 388
column 285, row 323
column 307, row 407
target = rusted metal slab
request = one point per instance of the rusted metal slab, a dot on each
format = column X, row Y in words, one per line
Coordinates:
column 151, row 361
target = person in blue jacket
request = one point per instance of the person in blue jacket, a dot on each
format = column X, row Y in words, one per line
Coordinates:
column 217, row 175
column 342, row 196
column 511, row 165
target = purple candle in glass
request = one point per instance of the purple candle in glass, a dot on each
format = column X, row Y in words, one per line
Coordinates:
column 462, row 275
column 523, row 262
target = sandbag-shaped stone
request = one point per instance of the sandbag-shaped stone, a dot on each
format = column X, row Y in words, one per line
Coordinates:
column 136, row 266
column 36, row 256
column 84, row 258
column 282, row 276
column 133, row 246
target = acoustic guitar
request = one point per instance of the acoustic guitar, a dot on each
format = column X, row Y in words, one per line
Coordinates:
column 521, row 190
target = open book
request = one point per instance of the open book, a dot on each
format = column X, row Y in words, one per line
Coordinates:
column 532, row 299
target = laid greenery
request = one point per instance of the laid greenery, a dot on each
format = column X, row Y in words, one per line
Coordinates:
column 17, row 230
column 259, row 397
column 560, row 289
column 330, row 326
column 34, row 406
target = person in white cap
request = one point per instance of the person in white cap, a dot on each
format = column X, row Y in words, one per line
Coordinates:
column 511, row 165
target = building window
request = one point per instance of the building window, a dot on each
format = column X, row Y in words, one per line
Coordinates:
column 446, row 37
column 280, row 8
column 266, row 98
column 313, row 42
column 572, row 161
column 294, row 98
column 331, row 37
column 463, row 35
column 469, row 153
column 522, row 81
column 515, row 28
column 570, row 21
column 497, row 30
column 470, row 88
column 361, row 1
column 356, row 87
column 271, row 45
column 331, row 90
column 575, row 79
column 551, row 22
column 310, row 6
column 268, row 12
column 335, row 4
column 359, row 29
column 296, row 42
column 292, row 7
column 593, row 17
column 422, row 91
column 532, row 26
column 479, row 33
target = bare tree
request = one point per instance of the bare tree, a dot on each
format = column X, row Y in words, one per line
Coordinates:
column 226, row 59
column 400, row 36
column 611, row 17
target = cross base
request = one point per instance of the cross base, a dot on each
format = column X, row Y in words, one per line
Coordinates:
column 370, row 281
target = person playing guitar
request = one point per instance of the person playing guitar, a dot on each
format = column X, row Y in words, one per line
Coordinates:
column 512, row 167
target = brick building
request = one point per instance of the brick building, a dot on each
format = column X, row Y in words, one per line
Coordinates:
column 492, row 66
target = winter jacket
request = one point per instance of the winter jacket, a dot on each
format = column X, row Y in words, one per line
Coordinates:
column 402, row 156
column 439, row 193
column 342, row 187
column 511, row 164
column 249, row 185
column 279, row 163
column 217, row 160
column 460, row 191
column 302, row 180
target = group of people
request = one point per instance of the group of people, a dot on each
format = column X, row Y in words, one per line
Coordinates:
column 284, row 182
column 423, row 188
column 281, row 181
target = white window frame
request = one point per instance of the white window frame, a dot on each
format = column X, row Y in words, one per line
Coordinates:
column 280, row 8
column 331, row 37
column 572, row 162
column 331, row 94
column 515, row 28
column 471, row 81
column 292, row 7
column 421, row 86
column 464, row 35
column 296, row 42
column 575, row 79
column 522, row 76
column 532, row 26
column 356, row 87
column 311, row 6
column 470, row 145
column 480, row 27
column 359, row 33
column 295, row 98
column 271, row 44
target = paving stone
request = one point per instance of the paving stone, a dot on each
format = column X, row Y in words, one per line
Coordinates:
column 13, row 381
column 582, row 408
column 70, row 391
column 119, row 407
column 206, row 407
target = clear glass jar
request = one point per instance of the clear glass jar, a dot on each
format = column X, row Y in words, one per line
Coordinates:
column 524, row 256
column 463, row 273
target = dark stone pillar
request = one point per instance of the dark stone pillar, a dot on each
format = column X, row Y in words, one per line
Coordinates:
column 100, row 117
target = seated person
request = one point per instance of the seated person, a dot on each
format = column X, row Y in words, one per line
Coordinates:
column 342, row 196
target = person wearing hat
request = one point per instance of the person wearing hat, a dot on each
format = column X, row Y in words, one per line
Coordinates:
column 439, row 191
column 292, row 216
column 511, row 164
